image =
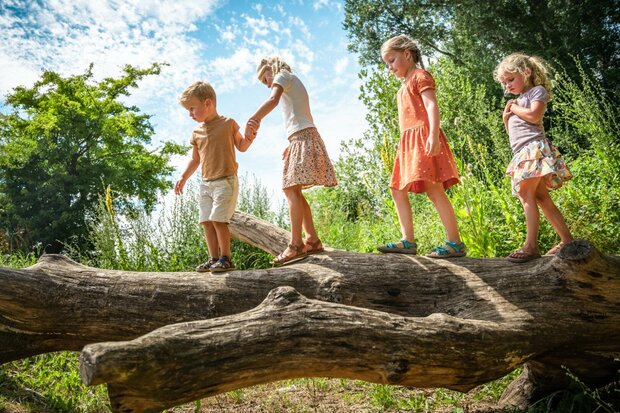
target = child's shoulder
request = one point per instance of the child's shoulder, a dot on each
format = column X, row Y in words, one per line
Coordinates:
column 230, row 122
column 538, row 93
column 421, row 79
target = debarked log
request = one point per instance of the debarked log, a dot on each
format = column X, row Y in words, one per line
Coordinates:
column 562, row 310
column 290, row 336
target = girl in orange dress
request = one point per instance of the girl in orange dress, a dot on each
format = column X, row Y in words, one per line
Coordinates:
column 424, row 162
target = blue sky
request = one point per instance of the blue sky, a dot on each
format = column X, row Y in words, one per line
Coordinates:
column 217, row 41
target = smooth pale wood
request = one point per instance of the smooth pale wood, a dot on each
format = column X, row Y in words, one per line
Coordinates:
column 567, row 307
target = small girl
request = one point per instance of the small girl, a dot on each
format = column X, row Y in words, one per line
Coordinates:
column 424, row 162
column 306, row 163
column 536, row 165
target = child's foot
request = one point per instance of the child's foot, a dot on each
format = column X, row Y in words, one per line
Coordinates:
column 555, row 249
column 449, row 249
column 223, row 264
column 523, row 255
column 206, row 266
column 313, row 247
column 401, row 247
column 291, row 254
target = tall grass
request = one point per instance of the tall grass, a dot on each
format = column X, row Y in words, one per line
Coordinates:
column 171, row 239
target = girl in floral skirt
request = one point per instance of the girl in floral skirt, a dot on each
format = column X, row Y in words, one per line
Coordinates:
column 306, row 163
column 536, row 165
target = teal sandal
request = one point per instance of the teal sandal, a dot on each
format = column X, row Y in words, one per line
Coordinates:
column 401, row 247
column 449, row 249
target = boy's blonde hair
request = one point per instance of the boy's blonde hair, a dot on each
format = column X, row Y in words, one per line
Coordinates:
column 518, row 63
column 199, row 90
column 401, row 43
column 276, row 64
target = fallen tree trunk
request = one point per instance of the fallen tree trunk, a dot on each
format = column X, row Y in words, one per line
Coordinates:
column 548, row 313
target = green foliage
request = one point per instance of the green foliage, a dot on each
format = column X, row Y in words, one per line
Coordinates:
column 51, row 383
column 476, row 34
column 63, row 137
column 586, row 127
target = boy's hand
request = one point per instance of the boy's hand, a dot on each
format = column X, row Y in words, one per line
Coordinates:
column 251, row 128
column 178, row 187
column 284, row 153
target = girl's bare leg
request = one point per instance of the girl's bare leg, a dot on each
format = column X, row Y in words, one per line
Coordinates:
column 527, row 195
column 403, row 210
column 307, row 221
column 437, row 194
column 552, row 213
column 296, row 213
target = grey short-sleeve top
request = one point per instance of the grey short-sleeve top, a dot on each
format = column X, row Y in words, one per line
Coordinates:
column 521, row 132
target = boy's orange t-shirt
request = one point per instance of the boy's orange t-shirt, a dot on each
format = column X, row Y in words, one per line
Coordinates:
column 215, row 141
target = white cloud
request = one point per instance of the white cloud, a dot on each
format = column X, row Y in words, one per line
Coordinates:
column 199, row 41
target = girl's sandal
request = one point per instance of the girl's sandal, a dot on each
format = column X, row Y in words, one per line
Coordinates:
column 401, row 247
column 313, row 247
column 449, row 249
column 283, row 259
column 555, row 249
column 521, row 255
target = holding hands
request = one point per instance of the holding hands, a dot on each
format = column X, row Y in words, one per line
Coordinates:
column 251, row 128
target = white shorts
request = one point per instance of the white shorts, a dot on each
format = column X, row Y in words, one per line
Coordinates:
column 218, row 199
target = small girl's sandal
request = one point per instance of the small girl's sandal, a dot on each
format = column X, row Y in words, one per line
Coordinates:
column 521, row 255
column 401, row 247
column 297, row 255
column 555, row 249
column 449, row 249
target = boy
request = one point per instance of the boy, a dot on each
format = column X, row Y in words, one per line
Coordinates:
column 213, row 149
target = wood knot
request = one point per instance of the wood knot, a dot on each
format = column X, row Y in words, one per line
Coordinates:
column 329, row 290
column 578, row 250
column 283, row 296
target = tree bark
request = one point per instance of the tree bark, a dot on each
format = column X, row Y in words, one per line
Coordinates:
column 383, row 318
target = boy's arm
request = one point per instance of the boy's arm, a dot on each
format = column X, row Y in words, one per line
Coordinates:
column 242, row 143
column 532, row 115
column 192, row 165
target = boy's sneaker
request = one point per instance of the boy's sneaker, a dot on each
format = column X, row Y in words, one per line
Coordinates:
column 206, row 266
column 223, row 264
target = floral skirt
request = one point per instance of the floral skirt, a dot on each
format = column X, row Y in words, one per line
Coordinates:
column 306, row 162
column 538, row 158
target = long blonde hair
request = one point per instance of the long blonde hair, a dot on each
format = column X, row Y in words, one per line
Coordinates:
column 401, row 43
column 519, row 63
column 276, row 64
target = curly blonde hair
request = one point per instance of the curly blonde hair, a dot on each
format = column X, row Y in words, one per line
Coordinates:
column 520, row 63
column 200, row 90
column 276, row 64
column 401, row 43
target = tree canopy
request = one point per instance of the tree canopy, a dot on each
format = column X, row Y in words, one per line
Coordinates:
column 66, row 138
column 477, row 34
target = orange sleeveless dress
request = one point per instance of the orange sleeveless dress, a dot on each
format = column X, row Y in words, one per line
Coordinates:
column 412, row 167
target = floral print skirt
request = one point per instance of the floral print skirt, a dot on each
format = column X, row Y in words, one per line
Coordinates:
column 538, row 158
column 306, row 162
